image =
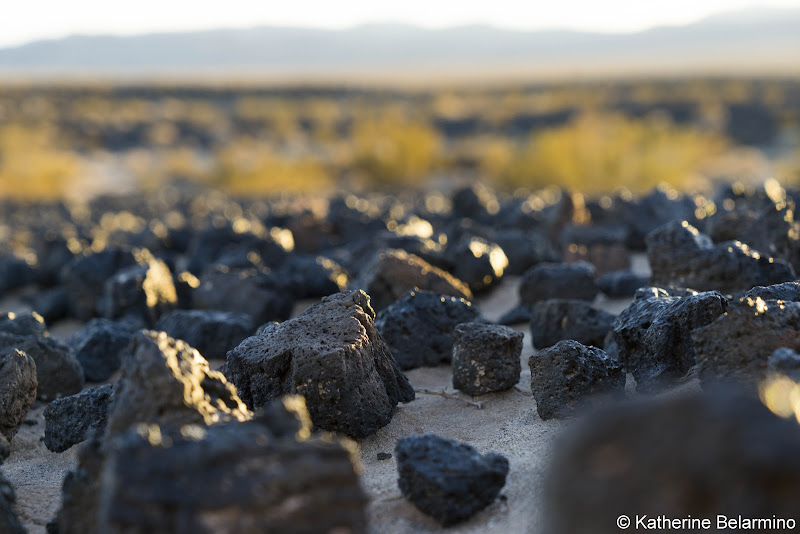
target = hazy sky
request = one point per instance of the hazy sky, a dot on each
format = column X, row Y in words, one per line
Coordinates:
column 37, row 19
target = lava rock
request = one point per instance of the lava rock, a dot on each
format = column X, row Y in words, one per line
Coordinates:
column 786, row 291
column 17, row 390
column 99, row 345
column 85, row 277
column 69, row 420
column 145, row 290
column 394, row 272
column 737, row 346
column 621, row 284
column 524, row 249
column 23, row 324
column 519, row 314
column 696, row 456
column 334, row 356
column 9, row 523
column 785, row 362
column 271, row 246
column 257, row 294
column 212, row 333
column 569, row 377
column 418, row 328
column 475, row 261
column 58, row 373
column 15, row 273
column 165, row 381
column 680, row 255
column 448, row 480
column 654, row 336
column 313, row 277
column 52, row 304
column 554, row 320
column 558, row 280
column 485, row 358
column 651, row 292
column 601, row 245
column 81, row 489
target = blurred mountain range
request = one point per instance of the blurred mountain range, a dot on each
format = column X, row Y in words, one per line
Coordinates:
column 754, row 40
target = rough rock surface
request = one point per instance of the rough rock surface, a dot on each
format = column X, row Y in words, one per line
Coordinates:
column 485, row 358
column 554, row 320
column 313, row 277
column 333, row 355
column 680, row 255
column 448, row 480
column 654, row 336
column 737, row 346
column 558, row 281
column 696, row 456
column 394, row 272
column 99, row 345
column 9, row 524
column 85, row 277
column 475, row 261
column 418, row 328
column 213, row 333
column 568, row 377
column 145, row 290
column 785, row 291
column 17, row 390
column 80, row 490
column 69, row 420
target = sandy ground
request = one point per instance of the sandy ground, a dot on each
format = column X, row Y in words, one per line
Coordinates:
column 504, row 422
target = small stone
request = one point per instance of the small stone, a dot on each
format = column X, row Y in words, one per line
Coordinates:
column 384, row 456
column 17, row 390
column 448, row 480
column 313, row 277
column 475, row 261
column 486, row 358
column 99, row 345
column 786, row 291
column 213, row 333
column 569, row 377
column 554, row 320
column 145, row 290
column 85, row 277
column 621, row 284
column 558, row 281
column 69, row 420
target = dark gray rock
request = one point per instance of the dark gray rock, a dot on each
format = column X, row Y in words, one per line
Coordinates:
column 554, row 320
column 448, row 480
column 662, row 292
column 9, row 523
column 475, row 261
column 524, row 249
column 99, row 345
column 213, row 333
column 185, row 284
column 569, row 377
column 69, row 420
column 621, row 284
column 558, row 281
column 52, row 304
column 58, row 373
column 80, row 491
column 698, row 456
column 394, row 272
column 485, row 358
column 785, row 362
column 519, row 314
column 313, row 276
column 601, row 245
column 786, row 291
column 737, row 346
column 271, row 246
column 85, row 277
column 17, row 391
column 334, row 356
column 654, row 336
column 257, row 294
column 680, row 255
column 23, row 324
column 145, row 290
column 418, row 328
column 15, row 272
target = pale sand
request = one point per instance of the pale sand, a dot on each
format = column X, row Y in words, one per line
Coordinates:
column 507, row 423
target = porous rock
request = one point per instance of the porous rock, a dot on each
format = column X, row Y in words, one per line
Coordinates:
column 313, row 276
column 485, row 358
column 621, row 284
column 17, row 391
column 554, row 320
column 99, row 345
column 569, row 377
column 418, row 328
column 558, row 280
column 475, row 261
column 334, row 356
column 213, row 333
column 448, row 480
column 145, row 290
column 69, row 420
column 85, row 276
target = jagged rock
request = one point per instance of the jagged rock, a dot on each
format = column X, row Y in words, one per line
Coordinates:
column 654, row 336
column 334, row 356
column 737, row 346
column 165, row 381
column 85, row 276
column 485, row 358
column 69, row 420
column 418, row 328
column 145, row 290
column 680, row 255
column 643, row 215
column 621, row 284
column 569, row 377
column 248, row 291
column 475, row 261
column 9, row 523
column 698, row 456
column 785, row 362
column 99, row 345
column 554, row 320
column 271, row 246
column 17, row 390
column 394, row 272
column 524, row 249
column 212, row 333
column 58, row 373
column 313, row 277
column 785, row 291
column 558, row 281
column 661, row 292
column 448, row 480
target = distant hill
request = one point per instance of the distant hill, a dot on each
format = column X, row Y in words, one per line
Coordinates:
column 763, row 40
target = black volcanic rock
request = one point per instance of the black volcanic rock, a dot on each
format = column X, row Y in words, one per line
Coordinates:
column 98, row 346
column 786, row 291
column 485, row 358
column 313, row 276
column 554, row 320
column 146, row 291
column 654, row 336
column 9, row 523
column 52, row 304
column 418, row 328
column 212, row 333
column 334, row 356
column 69, row 420
column 524, row 249
column 569, row 377
column 558, row 281
column 17, row 391
column 475, row 261
column 680, row 255
column 271, row 246
column 621, row 284
column 696, row 456
column 85, row 277
column 448, row 480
